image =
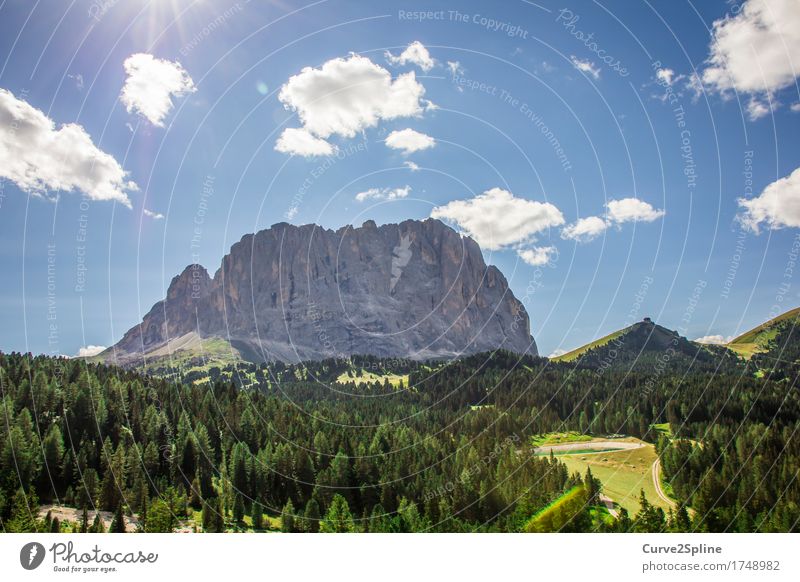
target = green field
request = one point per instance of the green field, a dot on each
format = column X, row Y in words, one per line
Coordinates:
column 559, row 438
column 361, row 377
column 623, row 474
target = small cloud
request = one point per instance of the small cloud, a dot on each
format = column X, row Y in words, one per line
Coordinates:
column 795, row 107
column 151, row 84
column 383, row 194
column 409, row 141
column 455, row 68
column 411, row 166
column 666, row 76
column 631, row 210
column 585, row 66
column 557, row 352
column 713, row 339
column 756, row 109
column 78, row 78
column 89, row 351
column 300, row 142
column 153, row 215
column 415, row 53
column 538, row 256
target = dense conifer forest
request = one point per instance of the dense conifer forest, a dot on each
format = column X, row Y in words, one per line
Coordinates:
column 323, row 447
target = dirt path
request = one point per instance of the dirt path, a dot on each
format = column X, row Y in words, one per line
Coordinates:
column 74, row 515
column 584, row 446
column 609, row 503
column 657, row 482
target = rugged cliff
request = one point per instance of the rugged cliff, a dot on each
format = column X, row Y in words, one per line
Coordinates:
column 416, row 289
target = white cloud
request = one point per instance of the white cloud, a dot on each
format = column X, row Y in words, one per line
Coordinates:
column 557, row 352
column 666, row 76
column 584, row 66
column 153, row 215
column 756, row 51
column 409, row 141
column 631, row 210
column 713, row 339
column 497, row 219
column 585, row 229
column 415, row 53
column 151, row 85
column 300, row 142
column 411, row 166
column 455, row 68
column 756, row 109
column 537, row 256
column 778, row 205
column 89, row 351
column 617, row 212
column 383, row 194
column 37, row 157
column 346, row 96
column 795, row 107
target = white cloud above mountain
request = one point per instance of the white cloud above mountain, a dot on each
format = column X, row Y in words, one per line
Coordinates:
column 777, row 206
column 756, row 51
column 585, row 229
column 344, row 97
column 151, row 85
column 409, row 141
column 89, row 351
column 497, row 219
column 617, row 212
column 631, row 210
column 300, row 142
column 415, row 53
column 39, row 158
column 538, row 256
column 383, row 194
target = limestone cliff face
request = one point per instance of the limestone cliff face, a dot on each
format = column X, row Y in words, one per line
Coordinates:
column 416, row 289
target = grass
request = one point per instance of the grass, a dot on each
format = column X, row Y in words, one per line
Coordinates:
column 559, row 438
column 624, row 474
column 662, row 428
column 371, row 377
column 757, row 339
column 578, row 352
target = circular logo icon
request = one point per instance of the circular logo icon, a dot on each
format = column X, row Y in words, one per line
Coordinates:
column 31, row 555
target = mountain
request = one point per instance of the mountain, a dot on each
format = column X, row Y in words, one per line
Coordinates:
column 758, row 339
column 414, row 290
column 648, row 347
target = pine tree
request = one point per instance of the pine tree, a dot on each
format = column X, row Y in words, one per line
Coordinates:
column 118, row 523
column 258, row 517
column 338, row 519
column 287, row 517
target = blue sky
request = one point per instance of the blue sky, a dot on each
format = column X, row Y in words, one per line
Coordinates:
column 652, row 129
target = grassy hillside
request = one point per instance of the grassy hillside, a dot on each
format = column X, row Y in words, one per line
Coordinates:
column 578, row 352
column 757, row 339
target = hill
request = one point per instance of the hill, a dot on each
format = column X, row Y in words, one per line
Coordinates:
column 758, row 339
column 647, row 347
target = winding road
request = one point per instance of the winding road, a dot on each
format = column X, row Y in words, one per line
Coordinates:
column 657, row 482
